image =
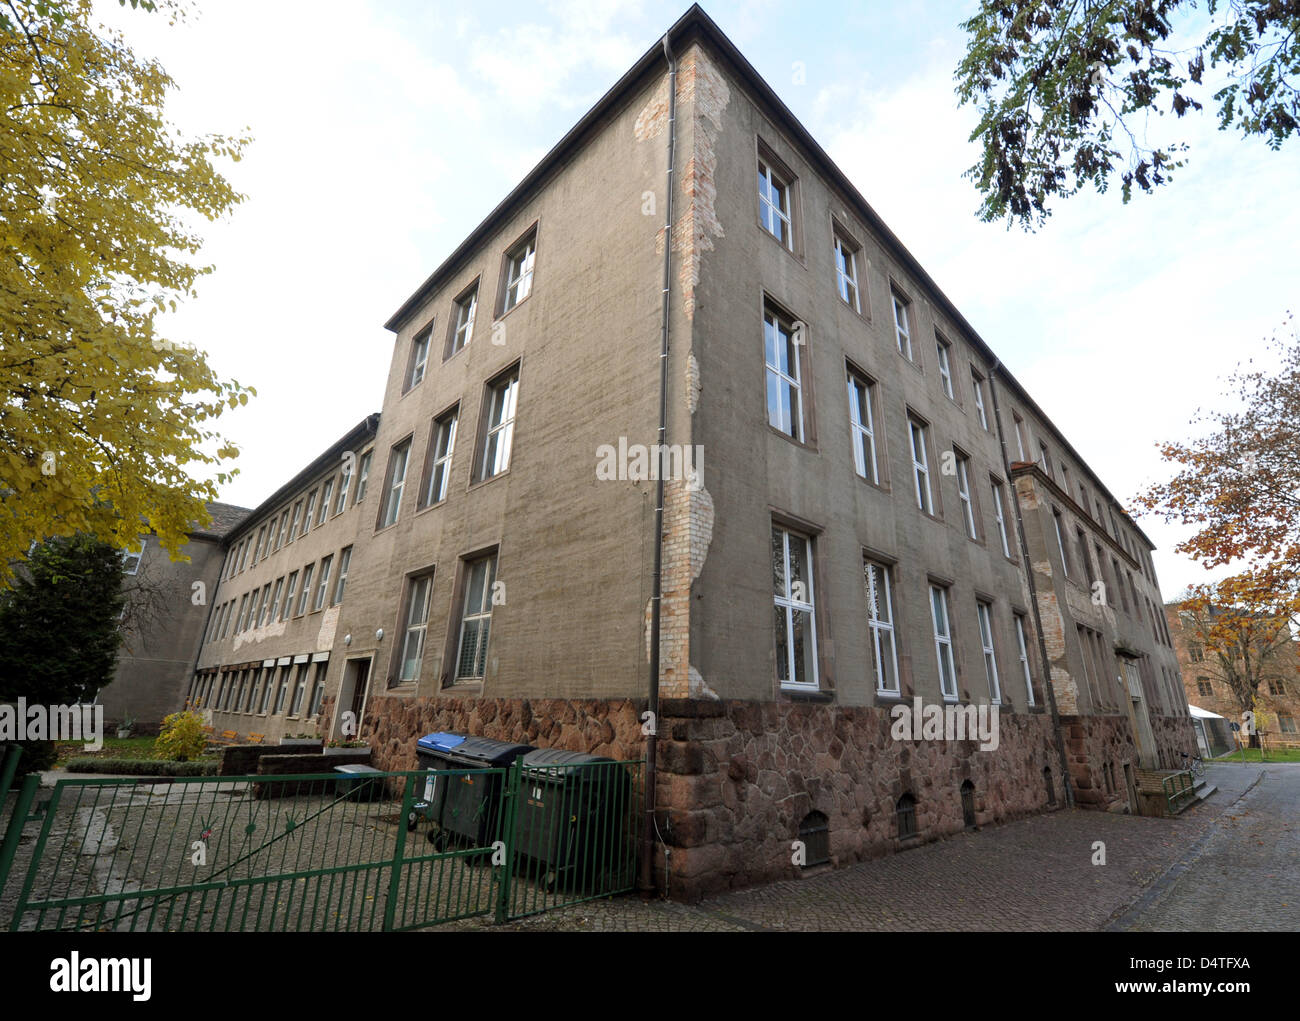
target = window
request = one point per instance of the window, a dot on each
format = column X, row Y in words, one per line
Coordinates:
column 943, row 642
column 977, row 385
column 311, row 506
column 795, row 620
column 257, row 545
column 345, row 483
column 363, row 474
column 1286, row 724
column 282, row 690
column 1087, row 560
column 325, row 501
column 396, row 483
column 265, row 606
column 781, row 354
column 419, row 357
column 243, row 610
column 920, row 465
column 417, row 618
column 519, row 272
column 442, row 440
column 902, row 326
column 774, row 204
column 243, row 557
column 300, row 688
column 282, row 529
column 251, row 699
column 293, row 522
column 345, row 560
column 1044, row 458
column 846, row 273
column 880, row 623
column 815, row 833
column 964, row 495
column 268, row 682
column 1022, row 653
column 273, row 608
column 1020, row 436
column 905, row 814
column 318, row 692
column 1203, row 686
column 462, row 329
column 306, row 589
column 287, row 610
column 943, row 351
column 322, row 589
column 995, row 489
column 1123, row 597
column 476, row 619
column 968, row 804
column 1196, row 653
column 503, row 395
column 862, row 427
column 985, row 614
column 1060, row 542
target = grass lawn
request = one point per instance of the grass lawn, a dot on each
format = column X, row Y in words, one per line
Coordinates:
column 116, row 748
column 1270, row 755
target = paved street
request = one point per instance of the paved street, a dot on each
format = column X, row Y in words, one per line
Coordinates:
column 1232, row 862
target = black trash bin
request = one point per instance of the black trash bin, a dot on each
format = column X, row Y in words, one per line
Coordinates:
column 469, row 806
column 573, row 820
column 432, row 751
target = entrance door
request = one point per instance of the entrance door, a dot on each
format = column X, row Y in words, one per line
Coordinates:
column 352, row 699
column 1139, row 718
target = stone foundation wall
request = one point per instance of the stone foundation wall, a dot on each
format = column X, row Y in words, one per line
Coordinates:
column 602, row 727
column 1091, row 742
column 736, row 779
column 1174, row 735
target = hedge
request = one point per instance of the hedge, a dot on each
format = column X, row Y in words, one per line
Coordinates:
column 142, row 767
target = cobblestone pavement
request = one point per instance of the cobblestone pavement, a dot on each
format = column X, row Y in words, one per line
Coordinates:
column 1244, row 874
column 1033, row 875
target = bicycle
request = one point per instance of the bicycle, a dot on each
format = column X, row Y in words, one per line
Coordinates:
column 1196, row 765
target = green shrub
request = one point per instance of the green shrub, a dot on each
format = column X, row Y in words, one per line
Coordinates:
column 141, row 767
column 181, row 737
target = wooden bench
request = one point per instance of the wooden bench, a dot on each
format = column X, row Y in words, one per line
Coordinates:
column 256, row 738
column 229, row 736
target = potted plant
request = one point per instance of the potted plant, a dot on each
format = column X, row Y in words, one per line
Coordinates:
column 124, row 728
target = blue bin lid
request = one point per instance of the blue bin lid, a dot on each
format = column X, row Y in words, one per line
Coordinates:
column 440, row 741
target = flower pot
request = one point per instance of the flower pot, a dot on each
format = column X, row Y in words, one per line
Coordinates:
column 123, row 732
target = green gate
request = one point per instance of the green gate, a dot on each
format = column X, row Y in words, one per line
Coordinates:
column 315, row 852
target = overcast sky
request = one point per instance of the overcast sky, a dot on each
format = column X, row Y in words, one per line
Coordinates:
column 385, row 131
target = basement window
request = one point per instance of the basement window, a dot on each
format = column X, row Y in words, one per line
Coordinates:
column 905, row 812
column 814, row 832
column 968, row 804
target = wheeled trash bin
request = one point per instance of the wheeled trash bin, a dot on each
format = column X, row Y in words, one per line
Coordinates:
column 467, row 805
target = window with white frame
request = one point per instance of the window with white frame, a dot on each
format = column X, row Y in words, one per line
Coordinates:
column 305, row 594
column 774, row 203
column 282, row 690
column 323, row 586
column 416, row 624
column 902, row 323
column 1022, row 653
column 242, row 616
column 1060, row 542
column 1020, row 437
column 325, row 494
column 846, row 273
column 294, row 520
column 419, row 357
column 503, row 396
column 363, row 475
column 243, row 557
column 943, row 355
column 396, row 483
column 131, row 558
column 318, row 692
column 862, row 426
column 442, row 442
column 977, row 384
column 281, row 529
column 476, row 618
column 307, row 514
column 345, row 561
column 345, row 484
column 286, row 611
column 795, row 618
column 519, row 272
column 985, row 614
column 880, row 624
column 920, row 465
column 964, row 495
column 300, row 689
column 781, row 354
column 273, row 608
column 939, row 616
column 463, row 328
column 999, row 515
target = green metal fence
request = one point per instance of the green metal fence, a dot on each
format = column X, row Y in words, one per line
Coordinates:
column 318, row 852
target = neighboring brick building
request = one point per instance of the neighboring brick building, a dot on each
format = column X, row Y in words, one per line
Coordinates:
column 1204, row 680
column 846, row 539
column 163, row 622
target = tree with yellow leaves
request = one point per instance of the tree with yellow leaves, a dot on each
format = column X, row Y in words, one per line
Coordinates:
column 103, row 420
